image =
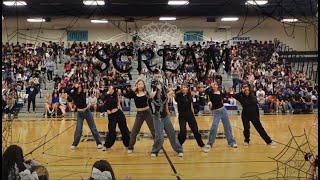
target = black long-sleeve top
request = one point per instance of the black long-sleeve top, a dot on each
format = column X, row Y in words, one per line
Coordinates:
column 111, row 101
column 140, row 101
column 79, row 99
column 184, row 102
column 249, row 103
column 216, row 99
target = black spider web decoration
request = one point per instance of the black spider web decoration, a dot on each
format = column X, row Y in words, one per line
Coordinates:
column 292, row 161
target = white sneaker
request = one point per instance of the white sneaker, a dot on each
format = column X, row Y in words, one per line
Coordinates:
column 272, row 144
column 100, row 146
column 245, row 143
column 73, row 147
column 180, row 154
column 206, row 148
column 153, row 155
column 105, row 149
column 130, row 151
column 161, row 151
column 235, row 145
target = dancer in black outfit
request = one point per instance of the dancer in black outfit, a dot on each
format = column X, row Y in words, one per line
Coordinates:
column 78, row 96
column 186, row 115
column 250, row 112
column 115, row 115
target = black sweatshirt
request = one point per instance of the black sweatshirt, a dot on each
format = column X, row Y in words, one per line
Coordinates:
column 248, row 103
column 184, row 102
column 32, row 92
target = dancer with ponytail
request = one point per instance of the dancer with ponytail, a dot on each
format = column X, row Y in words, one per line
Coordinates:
column 141, row 100
column 115, row 116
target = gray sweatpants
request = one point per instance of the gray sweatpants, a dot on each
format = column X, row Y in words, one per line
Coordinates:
column 140, row 117
column 161, row 124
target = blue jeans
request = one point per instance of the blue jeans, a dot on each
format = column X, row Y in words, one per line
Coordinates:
column 161, row 124
column 78, row 133
column 217, row 115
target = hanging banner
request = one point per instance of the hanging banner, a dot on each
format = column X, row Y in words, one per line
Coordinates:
column 77, row 35
column 241, row 40
column 193, row 36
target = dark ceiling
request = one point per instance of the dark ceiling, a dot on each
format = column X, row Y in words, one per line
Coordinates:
column 155, row 8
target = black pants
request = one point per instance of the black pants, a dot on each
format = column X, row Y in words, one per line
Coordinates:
column 185, row 117
column 254, row 118
column 33, row 101
column 49, row 75
column 114, row 118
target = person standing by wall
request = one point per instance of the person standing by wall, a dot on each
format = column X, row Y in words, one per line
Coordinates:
column 32, row 92
column 50, row 68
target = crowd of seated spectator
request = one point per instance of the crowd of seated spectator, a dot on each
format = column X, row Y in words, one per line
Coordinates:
column 23, row 66
column 277, row 87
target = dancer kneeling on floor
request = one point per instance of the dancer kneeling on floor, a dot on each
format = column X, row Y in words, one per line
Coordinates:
column 115, row 116
column 162, row 122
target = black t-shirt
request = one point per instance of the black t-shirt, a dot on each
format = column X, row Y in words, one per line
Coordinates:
column 216, row 99
column 184, row 102
column 140, row 102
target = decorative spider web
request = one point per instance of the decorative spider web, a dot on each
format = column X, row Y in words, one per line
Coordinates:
column 291, row 162
column 161, row 32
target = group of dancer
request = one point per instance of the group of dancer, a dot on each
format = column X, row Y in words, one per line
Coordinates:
column 153, row 108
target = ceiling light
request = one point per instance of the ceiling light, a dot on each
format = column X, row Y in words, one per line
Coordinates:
column 167, row 18
column 36, row 20
column 229, row 19
column 14, row 3
column 177, row 3
column 256, row 2
column 289, row 20
column 99, row 21
column 94, row 3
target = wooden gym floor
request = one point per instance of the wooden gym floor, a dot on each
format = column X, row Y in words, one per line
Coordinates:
column 48, row 141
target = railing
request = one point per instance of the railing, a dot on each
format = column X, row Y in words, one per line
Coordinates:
column 305, row 61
